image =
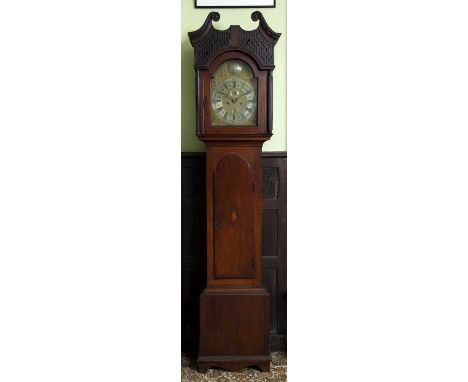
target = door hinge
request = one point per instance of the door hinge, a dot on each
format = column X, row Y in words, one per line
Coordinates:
column 204, row 102
column 253, row 186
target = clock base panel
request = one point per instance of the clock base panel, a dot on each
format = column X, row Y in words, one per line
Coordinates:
column 234, row 328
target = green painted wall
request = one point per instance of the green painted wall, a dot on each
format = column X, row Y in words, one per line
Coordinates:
column 192, row 19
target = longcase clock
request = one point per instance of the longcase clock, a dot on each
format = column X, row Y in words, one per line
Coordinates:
column 234, row 108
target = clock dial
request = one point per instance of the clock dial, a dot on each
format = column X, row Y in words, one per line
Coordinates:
column 233, row 95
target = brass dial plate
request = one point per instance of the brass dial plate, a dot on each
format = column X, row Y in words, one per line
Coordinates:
column 233, row 95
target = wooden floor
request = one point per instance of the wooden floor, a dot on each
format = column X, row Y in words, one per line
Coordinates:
column 277, row 372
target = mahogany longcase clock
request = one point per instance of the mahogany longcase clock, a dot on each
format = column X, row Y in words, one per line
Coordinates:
column 234, row 87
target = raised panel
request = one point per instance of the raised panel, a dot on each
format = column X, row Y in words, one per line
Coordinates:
column 221, row 325
column 193, row 183
column 270, row 282
column 191, row 288
column 270, row 233
column 193, row 231
column 270, row 183
column 234, row 219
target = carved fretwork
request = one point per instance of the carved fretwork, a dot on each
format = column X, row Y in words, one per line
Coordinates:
column 209, row 42
column 254, row 42
column 216, row 41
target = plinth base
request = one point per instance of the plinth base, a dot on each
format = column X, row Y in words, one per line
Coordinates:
column 234, row 328
column 234, row 363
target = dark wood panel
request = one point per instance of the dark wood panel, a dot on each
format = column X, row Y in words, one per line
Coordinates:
column 190, row 306
column 270, row 232
column 194, row 185
column 193, row 232
column 222, row 325
column 270, row 183
column 234, row 219
column 193, row 227
column 270, row 282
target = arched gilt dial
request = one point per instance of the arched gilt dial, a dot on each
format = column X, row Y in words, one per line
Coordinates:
column 233, row 95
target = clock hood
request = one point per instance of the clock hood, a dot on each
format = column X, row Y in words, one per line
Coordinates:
column 208, row 42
